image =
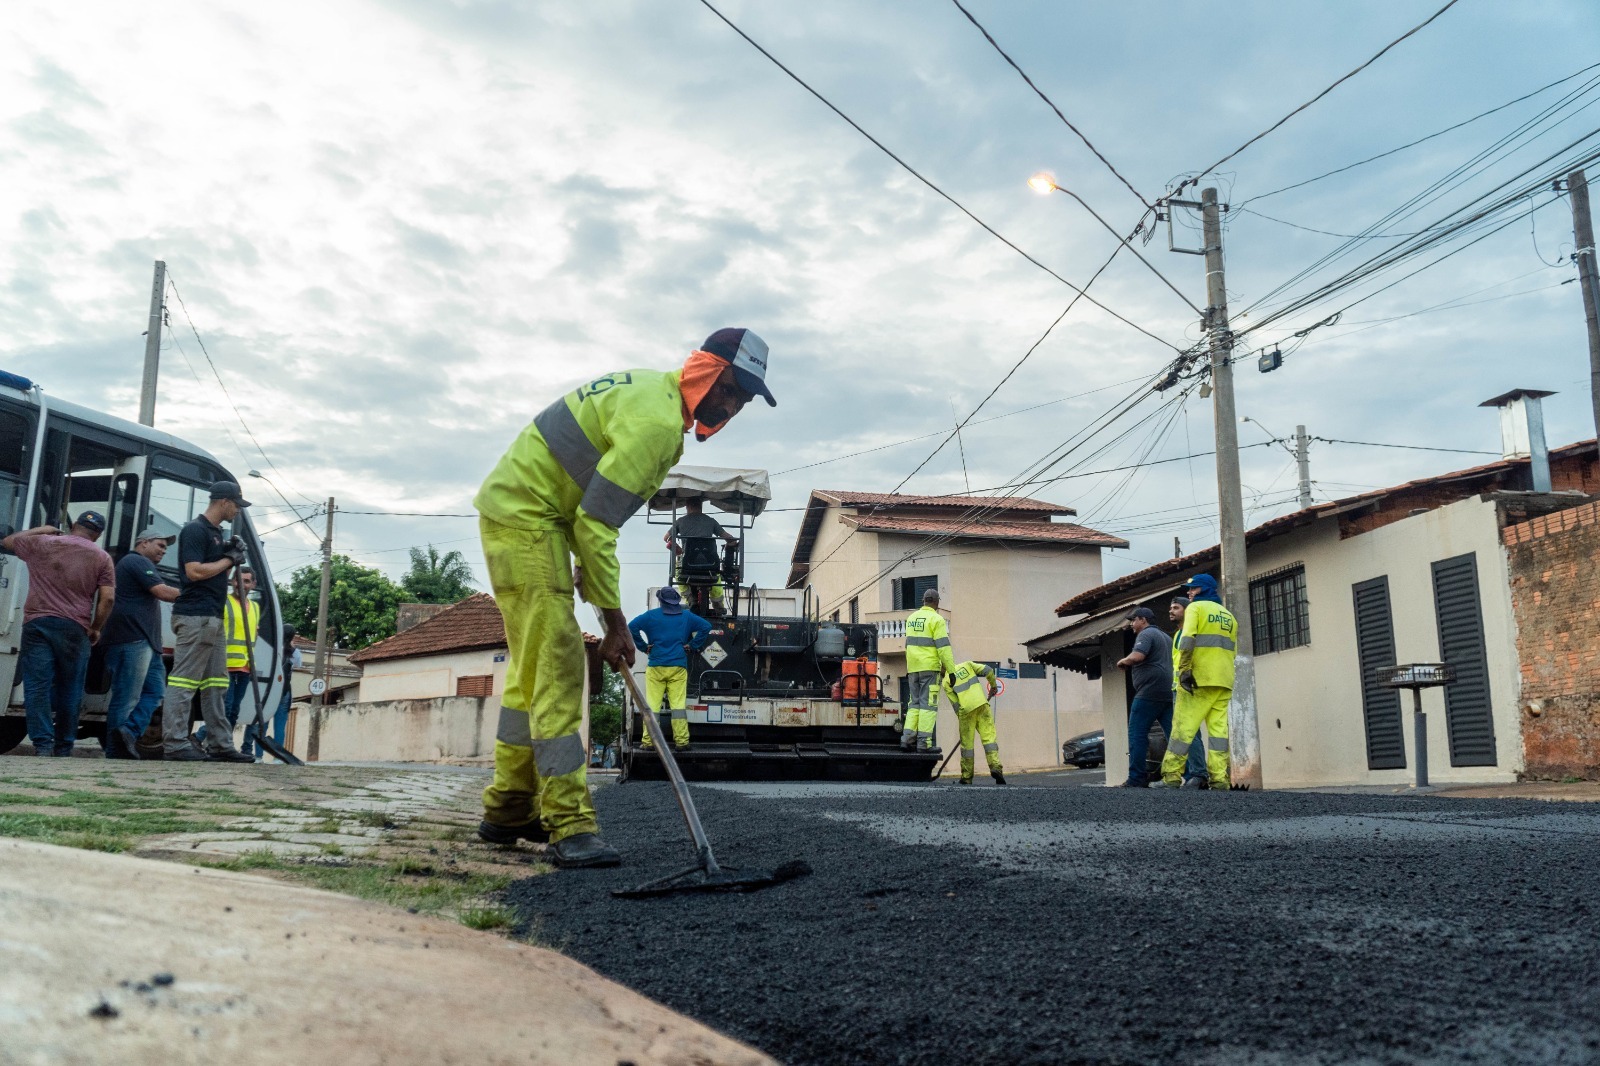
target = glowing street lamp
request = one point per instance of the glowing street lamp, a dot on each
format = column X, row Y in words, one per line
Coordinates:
column 1043, row 183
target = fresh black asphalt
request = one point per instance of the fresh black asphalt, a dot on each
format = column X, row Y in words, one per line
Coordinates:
column 1066, row 925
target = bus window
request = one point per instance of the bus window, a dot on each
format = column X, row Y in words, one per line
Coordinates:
column 16, row 439
column 97, row 478
column 172, row 503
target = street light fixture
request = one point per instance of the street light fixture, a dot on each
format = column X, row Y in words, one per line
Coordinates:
column 1043, row 183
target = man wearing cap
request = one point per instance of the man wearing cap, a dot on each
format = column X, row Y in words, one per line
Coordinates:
column 563, row 490
column 71, row 589
column 928, row 661
column 133, row 644
column 970, row 686
column 1206, row 650
column 664, row 633
column 695, row 524
column 1149, row 665
column 200, row 661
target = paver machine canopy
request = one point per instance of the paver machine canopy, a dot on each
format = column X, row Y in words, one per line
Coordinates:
column 776, row 691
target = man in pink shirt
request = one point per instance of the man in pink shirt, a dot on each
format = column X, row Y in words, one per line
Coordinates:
column 71, row 587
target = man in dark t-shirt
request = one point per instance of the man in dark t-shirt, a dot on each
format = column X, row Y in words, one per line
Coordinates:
column 1150, row 663
column 199, row 662
column 133, row 644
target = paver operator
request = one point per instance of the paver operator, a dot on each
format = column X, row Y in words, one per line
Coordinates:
column 663, row 633
column 1206, row 649
column 970, row 687
column 580, row 470
column 928, row 658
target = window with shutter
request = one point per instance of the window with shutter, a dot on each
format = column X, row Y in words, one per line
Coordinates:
column 1469, row 716
column 475, row 685
column 1380, row 705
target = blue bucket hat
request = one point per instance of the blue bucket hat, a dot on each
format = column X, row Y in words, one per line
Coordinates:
column 671, row 602
column 1203, row 582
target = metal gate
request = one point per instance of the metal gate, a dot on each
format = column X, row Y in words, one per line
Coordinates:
column 1468, row 710
column 1380, row 705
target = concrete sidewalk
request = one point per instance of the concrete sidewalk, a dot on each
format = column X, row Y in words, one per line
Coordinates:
column 112, row 959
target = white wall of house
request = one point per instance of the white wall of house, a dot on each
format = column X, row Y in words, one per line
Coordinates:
column 424, row 677
column 994, row 595
column 1309, row 698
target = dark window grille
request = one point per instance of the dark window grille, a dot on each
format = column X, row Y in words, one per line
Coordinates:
column 908, row 591
column 1279, row 614
column 855, row 609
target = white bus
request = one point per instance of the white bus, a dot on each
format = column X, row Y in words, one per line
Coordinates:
column 58, row 459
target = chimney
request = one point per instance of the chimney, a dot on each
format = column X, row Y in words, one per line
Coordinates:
column 1522, row 433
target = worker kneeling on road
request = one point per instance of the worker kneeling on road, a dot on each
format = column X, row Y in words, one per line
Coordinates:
column 581, row 469
column 664, row 633
column 1206, row 650
column 928, row 658
column 970, row 687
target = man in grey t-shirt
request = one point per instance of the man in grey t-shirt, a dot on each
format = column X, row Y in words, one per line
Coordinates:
column 1150, row 662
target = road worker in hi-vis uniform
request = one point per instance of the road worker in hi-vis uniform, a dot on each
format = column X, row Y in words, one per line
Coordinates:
column 928, row 658
column 970, row 687
column 578, row 472
column 1206, row 649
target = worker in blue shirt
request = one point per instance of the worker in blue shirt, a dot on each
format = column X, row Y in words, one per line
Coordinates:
column 665, row 633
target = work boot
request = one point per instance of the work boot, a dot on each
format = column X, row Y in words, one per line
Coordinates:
column 965, row 781
column 507, row 835
column 999, row 778
column 585, row 849
column 1135, row 782
column 1164, row 783
column 232, row 755
column 189, row 754
column 1194, row 784
column 130, row 743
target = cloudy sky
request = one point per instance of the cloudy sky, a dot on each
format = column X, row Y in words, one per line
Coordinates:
column 399, row 228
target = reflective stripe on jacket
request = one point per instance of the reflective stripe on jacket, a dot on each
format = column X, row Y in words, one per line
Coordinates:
column 968, row 685
column 586, row 464
column 240, row 626
column 928, row 642
column 1207, row 644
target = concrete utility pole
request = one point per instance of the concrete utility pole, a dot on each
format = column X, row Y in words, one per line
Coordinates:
column 318, row 669
column 152, row 347
column 1302, row 458
column 1588, row 281
column 1244, row 735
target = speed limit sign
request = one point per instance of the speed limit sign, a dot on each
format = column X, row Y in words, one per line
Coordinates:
column 318, row 686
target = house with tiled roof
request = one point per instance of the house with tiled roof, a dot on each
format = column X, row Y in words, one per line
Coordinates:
column 1000, row 564
column 1489, row 569
column 461, row 651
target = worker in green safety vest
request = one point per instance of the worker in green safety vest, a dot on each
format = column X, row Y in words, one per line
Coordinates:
column 928, row 658
column 970, row 687
column 580, row 470
column 1207, row 646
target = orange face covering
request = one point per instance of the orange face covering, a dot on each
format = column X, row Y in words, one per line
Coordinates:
column 700, row 371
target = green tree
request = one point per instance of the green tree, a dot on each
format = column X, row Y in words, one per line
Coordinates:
column 605, row 708
column 361, row 603
column 436, row 578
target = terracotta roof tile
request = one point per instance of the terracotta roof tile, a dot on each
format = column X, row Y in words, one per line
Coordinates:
column 1059, row 532
column 1009, row 503
column 473, row 623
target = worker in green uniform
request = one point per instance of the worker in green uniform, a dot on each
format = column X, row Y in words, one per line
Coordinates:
column 928, row 658
column 970, row 687
column 1207, row 646
column 580, row 470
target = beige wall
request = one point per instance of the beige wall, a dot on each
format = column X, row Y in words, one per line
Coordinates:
column 428, row 676
column 1309, row 698
column 994, row 596
column 424, row 730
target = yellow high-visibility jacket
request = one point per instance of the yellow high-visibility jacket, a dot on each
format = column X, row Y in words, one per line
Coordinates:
column 586, row 463
column 1207, row 645
column 970, row 685
column 240, row 628
column 928, row 642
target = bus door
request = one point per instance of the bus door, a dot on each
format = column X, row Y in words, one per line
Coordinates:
column 17, row 447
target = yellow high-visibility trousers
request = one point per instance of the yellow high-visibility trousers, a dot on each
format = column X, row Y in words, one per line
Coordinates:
column 1208, row 705
column 980, row 720
column 922, row 709
column 540, row 767
column 670, row 683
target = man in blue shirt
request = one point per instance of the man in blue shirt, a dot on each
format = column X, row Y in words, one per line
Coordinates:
column 133, row 644
column 665, row 632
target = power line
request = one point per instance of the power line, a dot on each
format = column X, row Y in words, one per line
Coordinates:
column 1051, row 104
column 1406, row 447
column 1378, row 55
column 1419, row 140
column 909, row 169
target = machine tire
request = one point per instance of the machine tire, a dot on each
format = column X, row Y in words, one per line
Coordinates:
column 13, row 731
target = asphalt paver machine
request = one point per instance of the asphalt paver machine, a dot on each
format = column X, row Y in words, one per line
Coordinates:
column 776, row 692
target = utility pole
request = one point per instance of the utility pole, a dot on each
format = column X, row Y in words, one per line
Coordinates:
column 319, row 668
column 1244, row 735
column 1588, row 281
column 1177, row 548
column 152, row 347
column 1302, row 458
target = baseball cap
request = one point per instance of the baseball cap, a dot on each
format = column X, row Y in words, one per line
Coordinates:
column 228, row 490
column 1203, row 582
column 671, row 602
column 91, row 520
column 747, row 353
column 1142, row 612
column 152, row 533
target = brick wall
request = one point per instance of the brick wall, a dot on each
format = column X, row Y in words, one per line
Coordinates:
column 1555, row 594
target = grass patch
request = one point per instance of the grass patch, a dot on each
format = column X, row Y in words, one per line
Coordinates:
column 374, row 819
column 486, row 916
column 97, row 826
column 380, row 883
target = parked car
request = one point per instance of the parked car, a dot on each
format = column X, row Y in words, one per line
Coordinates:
column 1085, row 750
